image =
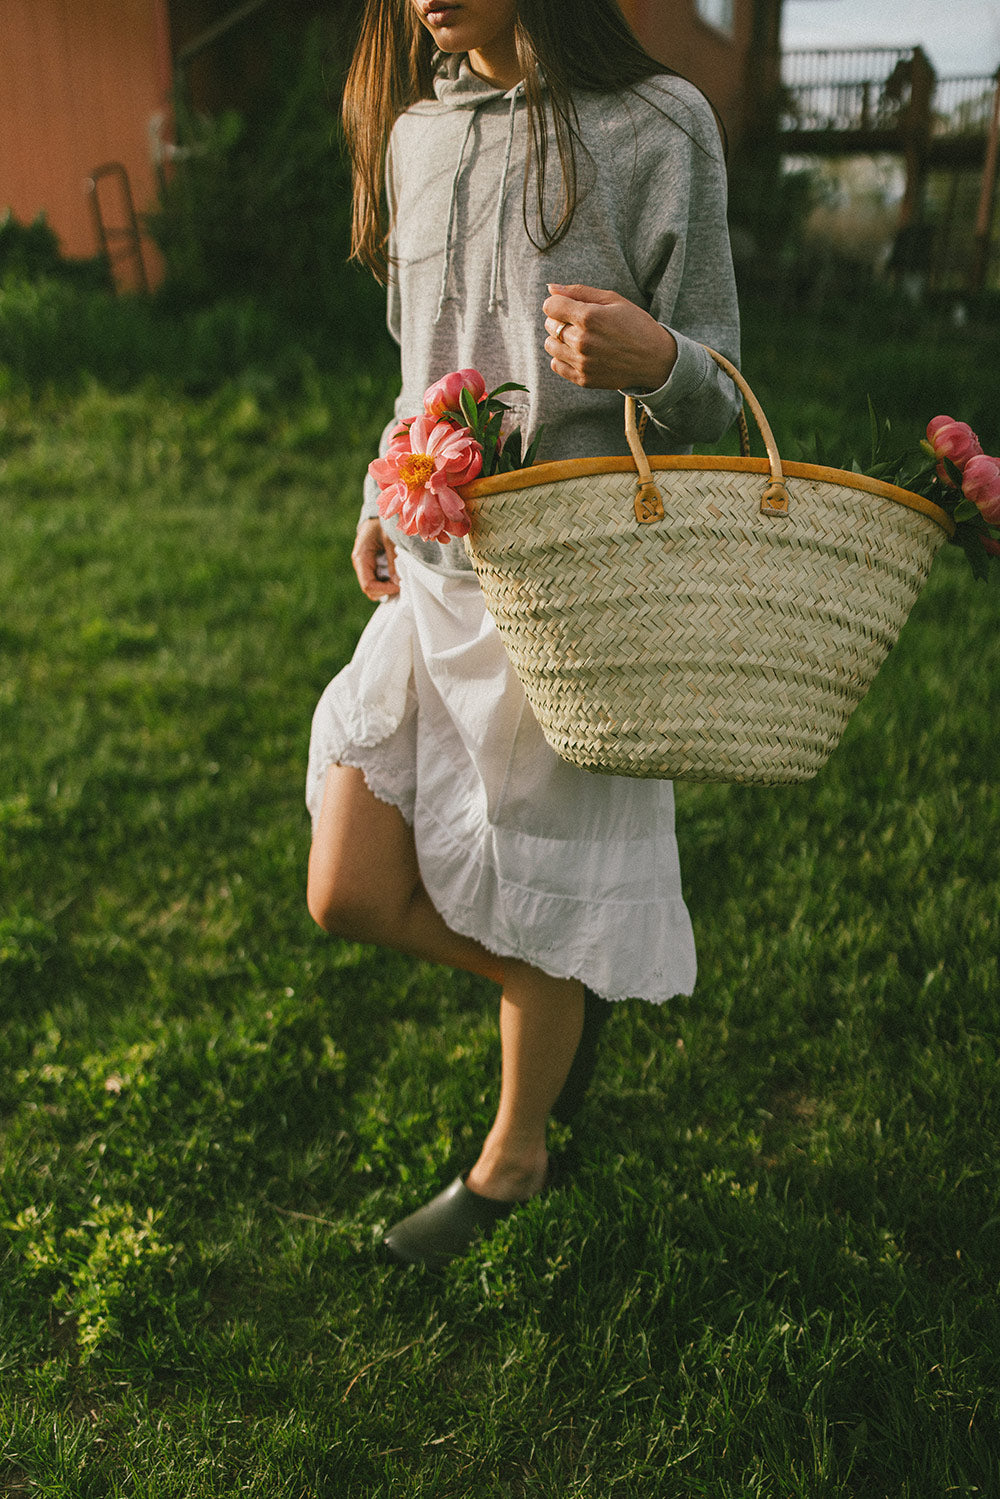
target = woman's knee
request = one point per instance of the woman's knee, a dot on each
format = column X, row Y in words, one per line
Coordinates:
column 362, row 864
column 339, row 909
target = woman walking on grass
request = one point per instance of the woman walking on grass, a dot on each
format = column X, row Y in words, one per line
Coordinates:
column 553, row 214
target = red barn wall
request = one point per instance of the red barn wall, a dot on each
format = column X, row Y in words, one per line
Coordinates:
column 80, row 81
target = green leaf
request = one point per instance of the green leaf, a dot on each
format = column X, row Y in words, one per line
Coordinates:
column 529, row 457
column 512, row 450
column 874, row 429
column 469, row 408
column 954, row 473
column 819, row 452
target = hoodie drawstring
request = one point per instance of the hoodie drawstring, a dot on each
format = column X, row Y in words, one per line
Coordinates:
column 453, row 208
column 452, row 204
column 498, row 231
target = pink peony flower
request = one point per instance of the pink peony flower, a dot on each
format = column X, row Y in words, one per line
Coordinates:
column 418, row 477
column 993, row 547
column 981, row 485
column 445, row 394
column 953, row 440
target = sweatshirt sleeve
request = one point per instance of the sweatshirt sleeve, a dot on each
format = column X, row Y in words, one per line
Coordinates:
column 681, row 256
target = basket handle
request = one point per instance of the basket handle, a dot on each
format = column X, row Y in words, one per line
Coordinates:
column 649, row 500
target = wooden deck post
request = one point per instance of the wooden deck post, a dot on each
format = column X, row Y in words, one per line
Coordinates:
column 984, row 213
column 916, row 137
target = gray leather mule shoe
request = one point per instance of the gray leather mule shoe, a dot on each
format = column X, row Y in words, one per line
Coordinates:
column 445, row 1226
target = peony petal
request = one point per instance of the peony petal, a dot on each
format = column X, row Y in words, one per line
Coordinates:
column 953, row 440
column 411, row 509
column 981, row 485
column 420, row 433
column 455, row 516
column 430, row 521
column 390, row 500
column 445, row 437
column 474, row 383
column 446, row 394
column 384, row 471
column 459, row 454
column 470, row 472
column 451, row 503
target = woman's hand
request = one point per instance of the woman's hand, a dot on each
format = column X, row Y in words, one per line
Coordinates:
column 370, row 545
column 598, row 339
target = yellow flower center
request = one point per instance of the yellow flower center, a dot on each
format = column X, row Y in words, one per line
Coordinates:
column 416, row 469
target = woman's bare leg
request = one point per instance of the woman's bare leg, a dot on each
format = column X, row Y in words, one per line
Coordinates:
column 364, row 881
column 540, row 1023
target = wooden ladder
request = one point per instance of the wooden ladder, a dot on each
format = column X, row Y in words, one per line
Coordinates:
column 119, row 243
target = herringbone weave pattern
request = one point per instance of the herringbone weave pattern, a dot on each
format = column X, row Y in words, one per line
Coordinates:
column 718, row 644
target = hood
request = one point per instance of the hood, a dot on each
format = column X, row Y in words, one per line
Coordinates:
column 456, row 86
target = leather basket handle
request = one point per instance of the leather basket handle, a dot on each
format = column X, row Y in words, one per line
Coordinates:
column 649, row 499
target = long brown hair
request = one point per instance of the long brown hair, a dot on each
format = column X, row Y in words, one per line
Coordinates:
column 393, row 67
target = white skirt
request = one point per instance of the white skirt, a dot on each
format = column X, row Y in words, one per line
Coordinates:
column 575, row 873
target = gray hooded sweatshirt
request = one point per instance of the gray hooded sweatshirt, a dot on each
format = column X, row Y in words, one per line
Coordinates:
column 467, row 283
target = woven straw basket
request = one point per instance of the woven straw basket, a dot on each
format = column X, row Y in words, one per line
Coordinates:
column 698, row 618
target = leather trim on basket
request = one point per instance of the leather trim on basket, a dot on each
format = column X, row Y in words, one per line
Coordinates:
column 575, row 468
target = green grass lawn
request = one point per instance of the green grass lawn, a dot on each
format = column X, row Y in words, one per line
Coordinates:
column 774, row 1269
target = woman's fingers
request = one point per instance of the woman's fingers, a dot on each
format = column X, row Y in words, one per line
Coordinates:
column 374, row 554
column 564, row 363
column 572, row 303
column 599, row 339
column 561, row 345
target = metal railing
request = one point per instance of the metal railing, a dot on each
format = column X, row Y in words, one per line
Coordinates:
column 844, row 89
column 851, row 90
column 962, row 106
